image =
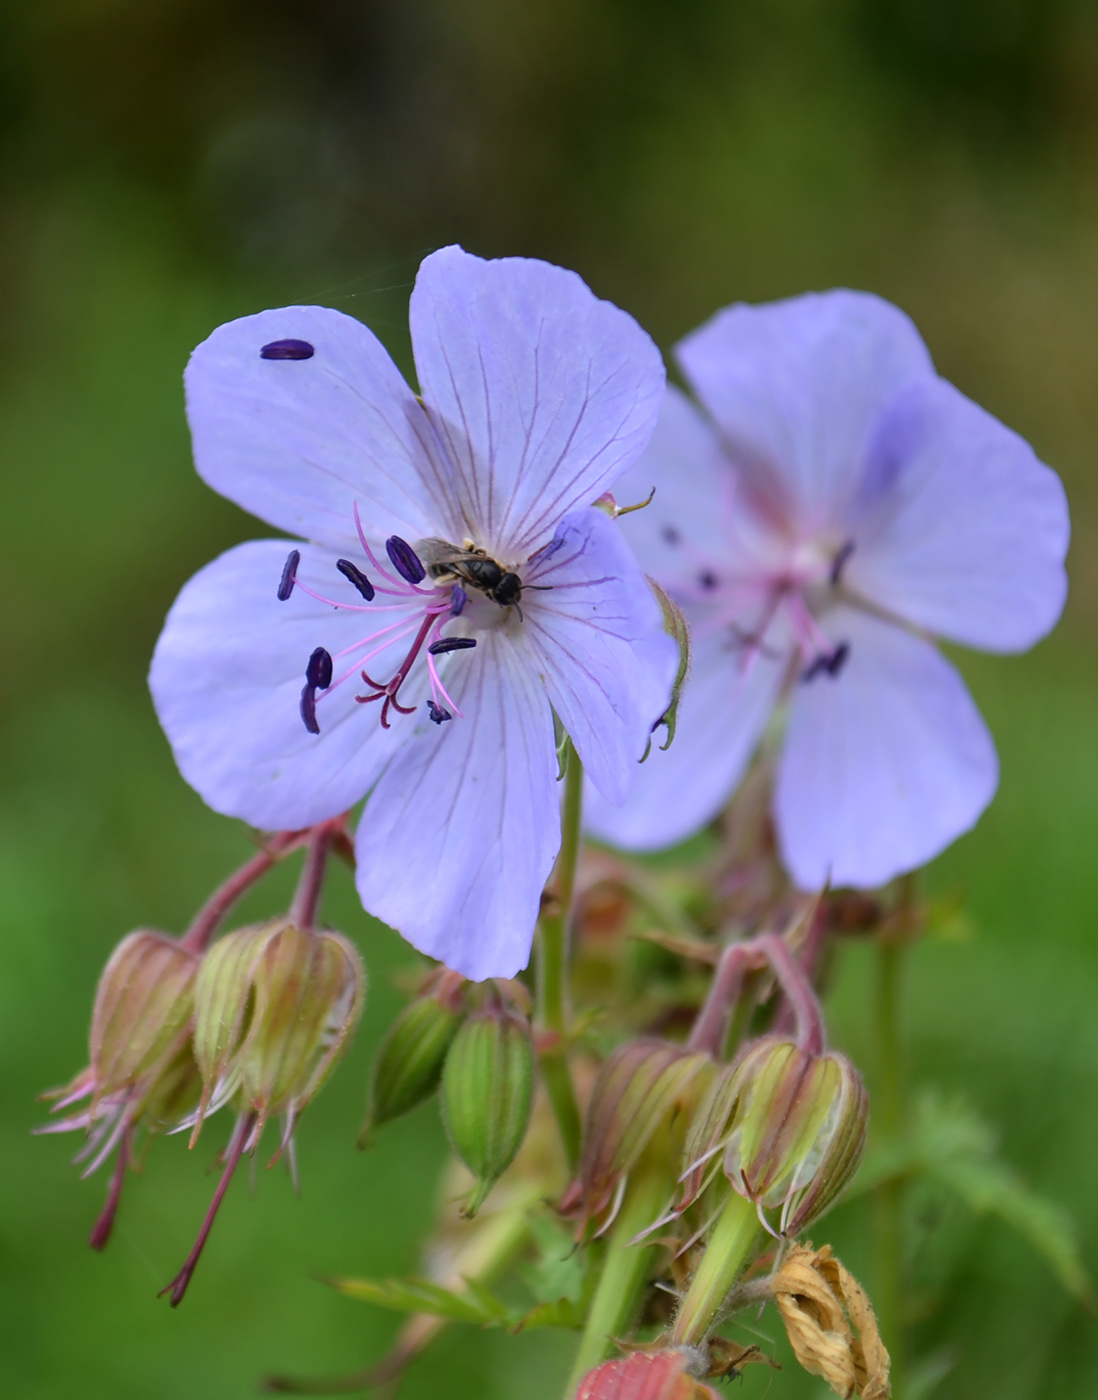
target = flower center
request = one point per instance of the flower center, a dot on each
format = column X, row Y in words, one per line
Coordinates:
column 788, row 593
column 453, row 572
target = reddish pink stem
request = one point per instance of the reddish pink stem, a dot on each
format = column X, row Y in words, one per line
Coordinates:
column 799, row 992
column 711, row 1026
column 303, row 910
column 208, row 919
column 736, row 960
column 178, row 1285
column 101, row 1230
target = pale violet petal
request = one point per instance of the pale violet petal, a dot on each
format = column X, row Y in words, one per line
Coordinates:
column 959, row 528
column 541, row 394
column 595, row 637
column 298, row 442
column 459, row 837
column 884, row 764
column 724, row 709
column 796, row 387
column 226, row 680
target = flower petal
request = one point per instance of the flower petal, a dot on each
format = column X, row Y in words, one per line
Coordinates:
column 541, row 393
column 723, row 711
column 227, row 676
column 459, row 837
column 297, row 442
column 884, row 765
column 596, row 639
column 796, row 387
column 959, row 528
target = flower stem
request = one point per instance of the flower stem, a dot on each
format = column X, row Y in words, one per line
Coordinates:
column 306, row 902
column 553, row 1010
column 626, row 1266
column 208, row 919
column 178, row 1285
column 891, row 1119
column 728, row 1252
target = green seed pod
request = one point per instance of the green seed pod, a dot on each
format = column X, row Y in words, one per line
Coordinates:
column 798, row 1129
column 143, row 1009
column 487, row 1092
column 308, row 990
column 643, row 1084
column 409, row 1063
column 275, row 1007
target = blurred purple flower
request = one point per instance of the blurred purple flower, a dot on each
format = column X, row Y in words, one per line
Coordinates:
column 535, row 397
column 835, row 504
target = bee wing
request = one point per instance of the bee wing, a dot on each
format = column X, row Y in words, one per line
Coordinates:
column 433, row 551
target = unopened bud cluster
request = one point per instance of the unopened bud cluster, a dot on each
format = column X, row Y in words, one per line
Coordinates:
column 473, row 1044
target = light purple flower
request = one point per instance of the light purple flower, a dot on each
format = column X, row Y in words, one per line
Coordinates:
column 834, row 505
column 438, row 692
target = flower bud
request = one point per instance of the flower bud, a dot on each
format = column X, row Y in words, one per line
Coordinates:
column 275, row 1007
column 797, row 1130
column 659, row 1375
column 143, row 1008
column 638, row 1088
column 409, row 1063
column 487, row 1091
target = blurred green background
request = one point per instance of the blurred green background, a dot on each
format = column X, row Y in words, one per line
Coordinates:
column 169, row 164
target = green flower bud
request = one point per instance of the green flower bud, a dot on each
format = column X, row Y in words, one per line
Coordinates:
column 143, row 1009
column 275, row 1007
column 409, row 1063
column 641, row 1086
column 487, row 1091
column 797, row 1130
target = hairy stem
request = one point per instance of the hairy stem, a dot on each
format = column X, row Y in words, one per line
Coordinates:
column 890, row 1109
column 306, row 902
column 553, row 1007
column 730, row 1249
column 626, row 1266
column 208, row 919
column 709, row 1032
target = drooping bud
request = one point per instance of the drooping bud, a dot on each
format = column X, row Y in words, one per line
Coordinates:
column 641, row 1085
column 797, row 1129
column 409, row 1063
column 487, row 1091
column 659, row 1375
column 143, row 1009
column 275, row 1007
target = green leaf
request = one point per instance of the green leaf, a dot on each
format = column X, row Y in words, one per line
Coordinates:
column 952, row 1146
column 561, row 1313
column 559, row 1270
column 417, row 1295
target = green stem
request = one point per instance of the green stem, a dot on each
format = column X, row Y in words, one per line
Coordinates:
column 890, row 1112
column 626, row 1267
column 553, row 1009
column 730, row 1249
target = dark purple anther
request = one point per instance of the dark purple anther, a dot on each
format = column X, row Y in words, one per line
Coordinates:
column 289, row 575
column 354, row 575
column 837, row 660
column 318, row 673
column 707, row 578
column 438, row 713
column 405, row 560
column 287, row 350
column 839, row 563
column 308, row 709
column 445, row 644
column 671, row 535
column 827, row 665
column 458, row 599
